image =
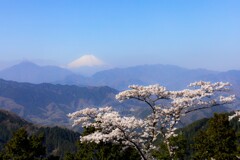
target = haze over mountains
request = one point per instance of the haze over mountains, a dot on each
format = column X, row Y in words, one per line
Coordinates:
column 52, row 92
column 171, row 76
column 49, row 104
column 30, row 72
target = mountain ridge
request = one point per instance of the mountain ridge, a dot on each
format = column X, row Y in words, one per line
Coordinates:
column 49, row 103
column 171, row 76
column 30, row 72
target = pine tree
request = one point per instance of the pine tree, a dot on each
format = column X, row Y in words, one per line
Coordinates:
column 24, row 147
column 218, row 141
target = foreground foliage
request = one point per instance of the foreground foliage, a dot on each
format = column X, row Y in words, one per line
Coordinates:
column 24, row 147
column 167, row 109
column 218, row 141
column 106, row 151
column 203, row 139
column 57, row 140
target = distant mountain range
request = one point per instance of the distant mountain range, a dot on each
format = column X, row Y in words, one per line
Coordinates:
column 173, row 77
column 50, row 104
column 30, row 72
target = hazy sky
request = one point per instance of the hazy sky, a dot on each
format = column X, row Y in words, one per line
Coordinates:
column 187, row 33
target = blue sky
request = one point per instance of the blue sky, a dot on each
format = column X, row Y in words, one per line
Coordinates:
column 187, row 33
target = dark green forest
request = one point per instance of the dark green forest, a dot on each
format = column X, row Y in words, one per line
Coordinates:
column 204, row 139
column 57, row 141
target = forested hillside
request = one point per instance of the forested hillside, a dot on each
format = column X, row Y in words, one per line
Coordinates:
column 56, row 140
column 48, row 103
column 192, row 140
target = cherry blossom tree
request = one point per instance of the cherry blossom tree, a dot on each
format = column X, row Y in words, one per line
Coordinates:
column 167, row 109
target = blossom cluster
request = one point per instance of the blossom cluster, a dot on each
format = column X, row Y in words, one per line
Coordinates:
column 110, row 126
column 236, row 114
column 167, row 109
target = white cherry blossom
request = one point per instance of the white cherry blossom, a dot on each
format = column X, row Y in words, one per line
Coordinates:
column 236, row 114
column 167, row 109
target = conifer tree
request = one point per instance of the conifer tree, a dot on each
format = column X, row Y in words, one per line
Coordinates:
column 218, row 141
column 24, row 147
